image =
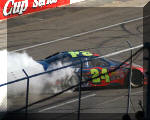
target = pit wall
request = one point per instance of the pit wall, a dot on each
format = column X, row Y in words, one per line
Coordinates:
column 13, row 8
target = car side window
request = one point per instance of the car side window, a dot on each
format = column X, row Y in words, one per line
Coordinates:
column 98, row 62
column 66, row 60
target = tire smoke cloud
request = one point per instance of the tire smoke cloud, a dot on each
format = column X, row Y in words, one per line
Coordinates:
column 47, row 83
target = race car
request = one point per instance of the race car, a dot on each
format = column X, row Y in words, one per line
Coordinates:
column 96, row 70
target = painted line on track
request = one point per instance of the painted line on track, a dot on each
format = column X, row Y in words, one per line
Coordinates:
column 121, row 51
column 80, row 34
column 59, row 105
column 92, row 95
column 118, row 98
column 134, row 93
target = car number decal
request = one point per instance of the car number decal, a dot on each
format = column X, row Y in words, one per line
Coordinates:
column 95, row 73
column 76, row 53
column 105, row 76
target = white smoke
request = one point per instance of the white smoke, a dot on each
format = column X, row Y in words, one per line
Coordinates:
column 60, row 78
column 50, row 82
column 16, row 63
column 3, row 79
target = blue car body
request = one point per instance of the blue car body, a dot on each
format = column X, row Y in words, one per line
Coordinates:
column 94, row 66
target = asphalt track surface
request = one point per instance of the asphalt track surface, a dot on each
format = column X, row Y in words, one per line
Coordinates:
column 58, row 23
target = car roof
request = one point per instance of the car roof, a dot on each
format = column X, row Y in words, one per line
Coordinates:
column 61, row 55
column 67, row 53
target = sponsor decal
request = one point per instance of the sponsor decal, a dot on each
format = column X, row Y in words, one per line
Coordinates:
column 13, row 8
column 39, row 3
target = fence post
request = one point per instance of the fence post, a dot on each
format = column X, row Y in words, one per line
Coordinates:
column 27, row 92
column 80, row 80
column 147, row 115
column 129, row 81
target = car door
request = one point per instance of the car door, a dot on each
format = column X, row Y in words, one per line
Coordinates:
column 97, row 72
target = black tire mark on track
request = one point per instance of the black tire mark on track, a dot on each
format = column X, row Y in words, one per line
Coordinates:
column 138, row 29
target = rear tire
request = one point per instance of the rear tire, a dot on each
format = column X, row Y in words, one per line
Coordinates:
column 137, row 79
